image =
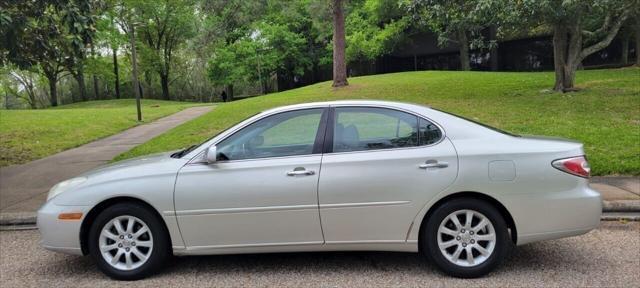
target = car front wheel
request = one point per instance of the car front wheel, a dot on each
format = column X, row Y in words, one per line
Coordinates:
column 128, row 241
column 466, row 238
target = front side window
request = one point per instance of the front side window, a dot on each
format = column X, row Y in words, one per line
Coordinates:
column 284, row 134
column 360, row 128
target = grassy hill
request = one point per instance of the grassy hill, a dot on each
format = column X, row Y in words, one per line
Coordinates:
column 27, row 135
column 605, row 114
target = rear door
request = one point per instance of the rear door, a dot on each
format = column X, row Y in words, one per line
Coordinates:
column 379, row 168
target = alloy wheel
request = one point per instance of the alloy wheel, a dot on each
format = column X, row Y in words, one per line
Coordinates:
column 466, row 238
column 125, row 242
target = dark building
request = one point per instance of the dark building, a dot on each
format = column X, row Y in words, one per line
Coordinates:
column 422, row 52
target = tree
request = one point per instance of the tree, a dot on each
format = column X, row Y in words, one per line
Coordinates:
column 134, row 64
column 227, row 21
column 637, row 38
column 32, row 35
column 164, row 26
column 284, row 42
column 339, row 45
column 461, row 22
column 580, row 28
column 79, row 18
column 634, row 26
column 110, row 36
column 374, row 28
column 26, row 80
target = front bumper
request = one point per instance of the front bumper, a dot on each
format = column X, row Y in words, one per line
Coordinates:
column 60, row 235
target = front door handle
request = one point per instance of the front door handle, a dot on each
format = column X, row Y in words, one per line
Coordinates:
column 300, row 171
column 433, row 164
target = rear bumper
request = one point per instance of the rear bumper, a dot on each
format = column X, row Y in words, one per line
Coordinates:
column 546, row 216
column 60, row 235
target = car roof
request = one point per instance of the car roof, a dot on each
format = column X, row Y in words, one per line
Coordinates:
column 378, row 103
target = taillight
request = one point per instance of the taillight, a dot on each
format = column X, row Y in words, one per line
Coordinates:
column 575, row 165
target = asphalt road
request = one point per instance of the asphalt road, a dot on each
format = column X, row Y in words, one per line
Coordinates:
column 609, row 256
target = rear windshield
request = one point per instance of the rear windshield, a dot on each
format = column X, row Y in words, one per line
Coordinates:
column 481, row 124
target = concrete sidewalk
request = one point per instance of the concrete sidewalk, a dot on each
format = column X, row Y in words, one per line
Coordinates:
column 619, row 193
column 23, row 188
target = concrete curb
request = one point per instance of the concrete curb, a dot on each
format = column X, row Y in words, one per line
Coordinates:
column 17, row 218
column 613, row 210
column 621, row 206
column 620, row 216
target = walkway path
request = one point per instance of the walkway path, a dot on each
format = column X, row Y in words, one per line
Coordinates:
column 23, row 188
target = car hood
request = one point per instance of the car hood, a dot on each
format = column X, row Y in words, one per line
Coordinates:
column 130, row 163
column 116, row 179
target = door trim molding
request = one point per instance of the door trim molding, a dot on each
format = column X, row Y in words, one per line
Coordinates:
column 240, row 210
column 363, row 204
column 279, row 208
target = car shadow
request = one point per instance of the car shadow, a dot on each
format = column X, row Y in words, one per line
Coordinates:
column 536, row 258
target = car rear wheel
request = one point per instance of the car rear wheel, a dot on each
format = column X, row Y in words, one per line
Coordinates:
column 466, row 238
column 128, row 241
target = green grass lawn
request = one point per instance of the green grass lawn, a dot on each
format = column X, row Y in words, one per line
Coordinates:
column 27, row 135
column 604, row 115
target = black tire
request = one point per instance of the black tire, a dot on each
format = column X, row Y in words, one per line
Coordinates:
column 429, row 234
column 161, row 242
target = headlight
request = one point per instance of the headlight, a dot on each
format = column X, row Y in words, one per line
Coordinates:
column 64, row 186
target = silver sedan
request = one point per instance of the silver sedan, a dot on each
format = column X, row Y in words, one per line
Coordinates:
column 346, row 175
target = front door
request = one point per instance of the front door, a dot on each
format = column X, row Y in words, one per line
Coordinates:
column 382, row 168
column 262, row 191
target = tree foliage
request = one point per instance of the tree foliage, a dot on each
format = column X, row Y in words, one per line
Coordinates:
column 580, row 28
column 194, row 49
column 283, row 42
column 461, row 22
column 164, row 27
column 374, row 28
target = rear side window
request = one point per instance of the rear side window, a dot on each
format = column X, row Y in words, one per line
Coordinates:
column 363, row 128
column 429, row 132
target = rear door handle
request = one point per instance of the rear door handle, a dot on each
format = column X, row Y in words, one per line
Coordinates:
column 300, row 171
column 433, row 164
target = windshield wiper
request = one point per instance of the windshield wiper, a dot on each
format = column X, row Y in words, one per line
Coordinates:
column 183, row 152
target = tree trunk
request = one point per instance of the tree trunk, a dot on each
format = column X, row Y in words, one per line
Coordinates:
column 30, row 95
column 638, row 44
column 53, row 90
column 229, row 92
column 140, row 90
column 464, row 51
column 624, row 54
column 560, row 39
column 79, row 76
column 164, row 82
column 567, row 48
column 134, row 74
column 339, row 44
column 493, row 52
column 96, row 94
column 115, row 71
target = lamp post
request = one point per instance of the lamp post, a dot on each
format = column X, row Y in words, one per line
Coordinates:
column 134, row 75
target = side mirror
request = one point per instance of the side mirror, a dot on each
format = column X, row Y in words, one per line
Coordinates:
column 211, row 154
